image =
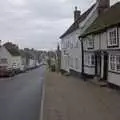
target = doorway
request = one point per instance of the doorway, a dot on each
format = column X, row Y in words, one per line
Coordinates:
column 105, row 68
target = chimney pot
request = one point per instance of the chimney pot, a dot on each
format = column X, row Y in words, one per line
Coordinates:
column 76, row 13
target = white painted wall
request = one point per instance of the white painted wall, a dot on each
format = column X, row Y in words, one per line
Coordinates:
column 69, row 42
column 65, row 54
column 100, row 43
column 13, row 61
column 17, row 62
column 5, row 54
column 75, row 52
column 114, row 78
column 102, row 40
column 89, row 70
column 31, row 63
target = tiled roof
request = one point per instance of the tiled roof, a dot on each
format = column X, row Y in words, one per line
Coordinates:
column 107, row 19
column 75, row 25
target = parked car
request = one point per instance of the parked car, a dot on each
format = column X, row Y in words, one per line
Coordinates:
column 15, row 69
column 6, row 72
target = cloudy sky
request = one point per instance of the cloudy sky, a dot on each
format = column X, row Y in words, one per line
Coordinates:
column 37, row 23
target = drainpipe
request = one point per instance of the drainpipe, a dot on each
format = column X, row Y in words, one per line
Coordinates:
column 82, row 51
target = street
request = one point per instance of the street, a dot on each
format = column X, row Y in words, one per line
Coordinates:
column 20, row 96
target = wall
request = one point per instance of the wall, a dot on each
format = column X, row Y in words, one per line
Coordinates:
column 72, row 45
column 65, row 54
column 31, row 63
column 114, row 78
column 75, row 52
column 5, row 54
column 17, row 62
column 89, row 70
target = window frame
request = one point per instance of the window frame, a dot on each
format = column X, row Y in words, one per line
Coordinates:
column 89, row 60
column 111, row 43
column 115, row 63
column 89, row 41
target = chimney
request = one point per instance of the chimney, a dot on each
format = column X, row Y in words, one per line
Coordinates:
column 76, row 14
column 103, row 5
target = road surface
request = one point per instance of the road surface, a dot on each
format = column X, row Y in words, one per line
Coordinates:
column 20, row 96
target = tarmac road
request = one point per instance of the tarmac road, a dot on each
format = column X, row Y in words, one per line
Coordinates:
column 20, row 96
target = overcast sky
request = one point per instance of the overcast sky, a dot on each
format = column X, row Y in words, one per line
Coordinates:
column 37, row 23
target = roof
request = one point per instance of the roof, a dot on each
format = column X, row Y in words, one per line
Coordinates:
column 75, row 25
column 12, row 49
column 107, row 19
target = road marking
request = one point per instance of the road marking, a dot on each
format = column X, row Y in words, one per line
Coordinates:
column 42, row 100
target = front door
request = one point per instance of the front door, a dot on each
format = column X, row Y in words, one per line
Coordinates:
column 105, row 69
column 97, row 64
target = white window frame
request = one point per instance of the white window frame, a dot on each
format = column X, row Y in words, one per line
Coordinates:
column 118, row 63
column 90, row 60
column 114, row 63
column 112, row 37
column 90, row 43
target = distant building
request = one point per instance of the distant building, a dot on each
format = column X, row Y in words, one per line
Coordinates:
column 10, row 56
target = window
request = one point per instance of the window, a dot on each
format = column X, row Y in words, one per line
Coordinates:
column 3, row 61
column 115, row 63
column 112, row 37
column 118, row 63
column 112, row 62
column 90, row 43
column 77, row 44
column 90, row 61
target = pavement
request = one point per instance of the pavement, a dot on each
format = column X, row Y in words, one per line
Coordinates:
column 20, row 96
column 69, row 98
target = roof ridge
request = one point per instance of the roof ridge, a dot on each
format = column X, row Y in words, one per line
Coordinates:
column 109, row 18
column 75, row 24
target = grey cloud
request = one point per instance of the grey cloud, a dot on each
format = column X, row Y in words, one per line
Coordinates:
column 37, row 23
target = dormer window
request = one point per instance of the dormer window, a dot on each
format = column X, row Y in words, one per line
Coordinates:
column 113, row 37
